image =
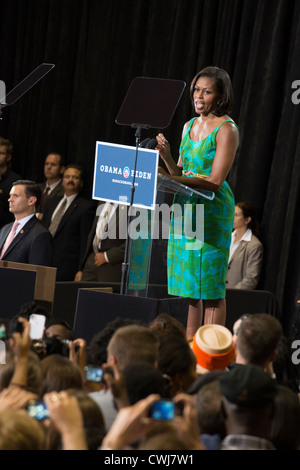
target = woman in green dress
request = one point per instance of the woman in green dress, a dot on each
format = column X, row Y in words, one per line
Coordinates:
column 207, row 151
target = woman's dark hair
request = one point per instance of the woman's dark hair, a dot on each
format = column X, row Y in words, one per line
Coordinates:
column 223, row 85
column 250, row 211
column 174, row 355
column 143, row 379
column 59, row 373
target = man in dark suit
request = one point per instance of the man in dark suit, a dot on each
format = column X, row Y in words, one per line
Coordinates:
column 105, row 248
column 25, row 240
column 70, row 229
column 52, row 187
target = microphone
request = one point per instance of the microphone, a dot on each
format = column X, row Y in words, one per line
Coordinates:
column 144, row 142
column 152, row 144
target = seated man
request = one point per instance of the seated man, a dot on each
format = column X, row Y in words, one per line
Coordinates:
column 26, row 240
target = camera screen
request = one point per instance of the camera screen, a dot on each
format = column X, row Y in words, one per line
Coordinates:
column 93, row 374
column 38, row 410
column 163, row 410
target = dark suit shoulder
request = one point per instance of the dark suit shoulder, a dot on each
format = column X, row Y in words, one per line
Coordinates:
column 83, row 201
column 34, row 225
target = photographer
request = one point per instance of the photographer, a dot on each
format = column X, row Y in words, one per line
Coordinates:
column 65, row 351
column 133, row 424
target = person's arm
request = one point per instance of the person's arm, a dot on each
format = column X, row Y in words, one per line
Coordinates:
column 86, row 222
column 20, row 344
column 115, row 254
column 16, row 398
column 163, row 147
column 186, row 425
column 252, row 268
column 78, row 357
column 100, row 259
column 131, row 424
column 227, row 143
column 78, row 276
column 67, row 417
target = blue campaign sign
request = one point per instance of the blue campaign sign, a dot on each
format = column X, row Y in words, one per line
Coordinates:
column 114, row 172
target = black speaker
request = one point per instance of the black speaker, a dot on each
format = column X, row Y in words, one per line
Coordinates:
column 239, row 301
column 16, row 288
column 65, row 297
column 95, row 309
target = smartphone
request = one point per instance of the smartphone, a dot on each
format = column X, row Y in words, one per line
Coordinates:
column 37, row 410
column 93, row 374
column 16, row 327
column 163, row 410
column 37, row 325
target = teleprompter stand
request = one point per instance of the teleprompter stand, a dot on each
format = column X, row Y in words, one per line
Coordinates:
column 149, row 103
column 25, row 85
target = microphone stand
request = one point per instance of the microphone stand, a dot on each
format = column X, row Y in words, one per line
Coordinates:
column 126, row 262
column 25, row 85
column 162, row 94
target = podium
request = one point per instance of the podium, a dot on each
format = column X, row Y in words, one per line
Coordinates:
column 147, row 295
column 148, row 262
column 21, row 283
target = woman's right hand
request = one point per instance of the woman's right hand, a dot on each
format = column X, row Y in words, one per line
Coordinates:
column 163, row 147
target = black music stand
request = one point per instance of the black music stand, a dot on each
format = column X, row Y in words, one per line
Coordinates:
column 25, row 85
column 149, row 103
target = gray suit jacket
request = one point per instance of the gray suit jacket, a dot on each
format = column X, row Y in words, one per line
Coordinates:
column 244, row 268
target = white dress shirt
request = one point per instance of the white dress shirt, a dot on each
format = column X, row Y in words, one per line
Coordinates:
column 234, row 245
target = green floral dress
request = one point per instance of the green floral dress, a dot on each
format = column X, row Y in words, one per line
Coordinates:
column 197, row 267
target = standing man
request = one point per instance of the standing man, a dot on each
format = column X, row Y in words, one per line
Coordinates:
column 105, row 249
column 54, row 167
column 25, row 240
column 7, row 177
column 69, row 220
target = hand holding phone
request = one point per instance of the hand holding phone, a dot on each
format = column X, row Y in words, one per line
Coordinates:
column 93, row 374
column 37, row 325
column 163, row 410
column 37, row 410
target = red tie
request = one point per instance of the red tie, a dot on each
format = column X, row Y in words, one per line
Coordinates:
column 10, row 237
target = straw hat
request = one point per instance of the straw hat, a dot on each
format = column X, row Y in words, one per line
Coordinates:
column 213, row 347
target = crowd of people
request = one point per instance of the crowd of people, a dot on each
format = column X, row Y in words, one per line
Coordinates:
column 52, row 224
column 222, row 390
